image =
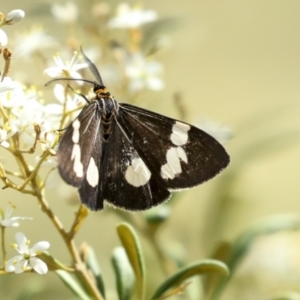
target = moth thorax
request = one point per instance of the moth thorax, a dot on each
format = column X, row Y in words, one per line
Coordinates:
column 108, row 107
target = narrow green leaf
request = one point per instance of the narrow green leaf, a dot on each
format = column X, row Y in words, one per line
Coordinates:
column 72, row 284
column 244, row 242
column 198, row 268
column 93, row 265
column 133, row 250
column 269, row 226
column 124, row 273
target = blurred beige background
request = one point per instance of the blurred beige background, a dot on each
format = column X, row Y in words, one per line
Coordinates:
column 235, row 62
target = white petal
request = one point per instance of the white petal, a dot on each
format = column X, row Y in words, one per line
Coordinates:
column 39, row 247
column 8, row 211
column 4, row 144
column 155, row 84
column 38, row 265
column 13, row 222
column 54, row 109
column 53, row 71
column 59, row 92
column 77, row 67
column 11, row 263
column 3, row 38
column 7, row 84
column 20, row 266
column 22, row 242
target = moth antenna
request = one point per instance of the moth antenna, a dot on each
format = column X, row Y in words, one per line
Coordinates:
column 79, row 94
column 92, row 68
column 74, row 79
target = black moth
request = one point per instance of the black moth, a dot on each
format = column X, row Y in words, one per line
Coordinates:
column 132, row 157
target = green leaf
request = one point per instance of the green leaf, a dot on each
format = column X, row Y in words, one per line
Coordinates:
column 124, row 273
column 93, row 265
column 198, row 268
column 270, row 226
column 244, row 242
column 132, row 247
column 72, row 284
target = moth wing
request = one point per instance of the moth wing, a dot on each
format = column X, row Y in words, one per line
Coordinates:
column 90, row 190
column 127, row 182
column 77, row 143
column 177, row 154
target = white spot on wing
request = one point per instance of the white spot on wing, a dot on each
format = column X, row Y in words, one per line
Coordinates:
column 173, row 165
column 181, row 154
column 137, row 174
column 75, row 136
column 92, row 173
column 179, row 136
column 76, row 156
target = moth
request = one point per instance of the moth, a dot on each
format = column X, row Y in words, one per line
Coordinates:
column 131, row 157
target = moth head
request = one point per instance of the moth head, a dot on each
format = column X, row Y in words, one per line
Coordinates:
column 101, row 91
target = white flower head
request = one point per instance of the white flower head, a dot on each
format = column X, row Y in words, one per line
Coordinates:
column 66, row 69
column 7, row 84
column 3, row 38
column 34, row 40
column 143, row 74
column 66, row 13
column 27, row 257
column 26, row 111
column 6, row 220
column 131, row 18
column 14, row 16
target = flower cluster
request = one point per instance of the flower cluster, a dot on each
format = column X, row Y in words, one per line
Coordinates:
column 138, row 71
column 27, row 258
column 11, row 18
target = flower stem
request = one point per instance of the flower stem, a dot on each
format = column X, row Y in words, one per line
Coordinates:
column 3, row 245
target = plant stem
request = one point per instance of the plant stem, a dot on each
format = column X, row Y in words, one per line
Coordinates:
column 3, row 245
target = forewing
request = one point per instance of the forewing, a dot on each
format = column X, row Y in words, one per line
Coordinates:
column 177, row 154
column 77, row 143
column 90, row 190
column 126, row 180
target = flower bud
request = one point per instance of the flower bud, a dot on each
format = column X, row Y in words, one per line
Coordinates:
column 14, row 16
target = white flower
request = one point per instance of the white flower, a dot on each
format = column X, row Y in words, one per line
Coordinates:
column 131, row 18
column 7, row 85
column 34, row 40
column 66, row 13
column 6, row 220
column 219, row 131
column 3, row 137
column 11, row 93
column 3, row 38
column 143, row 74
column 14, row 16
column 68, row 69
column 6, row 132
column 26, row 111
column 27, row 257
column 71, row 102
